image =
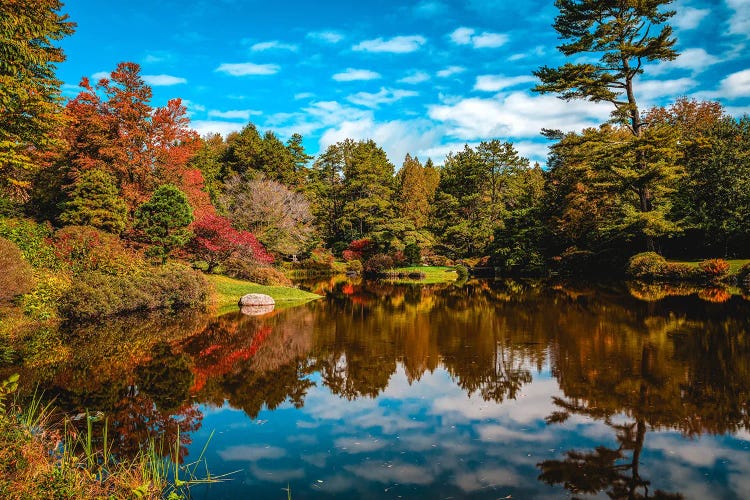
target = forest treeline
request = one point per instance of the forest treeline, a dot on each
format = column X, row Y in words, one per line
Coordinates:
column 673, row 179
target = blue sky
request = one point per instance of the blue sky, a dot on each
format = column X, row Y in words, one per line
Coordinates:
column 424, row 76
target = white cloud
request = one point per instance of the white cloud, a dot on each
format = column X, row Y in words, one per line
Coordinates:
column 735, row 85
column 484, row 40
column 383, row 96
column 462, row 36
column 273, row 45
column 99, row 75
column 395, row 45
column 303, row 95
column 248, row 68
column 204, row 127
column 351, row 75
column 489, row 40
column 739, row 23
column 163, row 80
column 688, row 18
column 696, row 60
column 495, row 83
column 450, row 71
column 193, row 107
column 415, row 77
column 516, row 115
column 244, row 453
column 234, row 114
column 652, row 89
column 326, row 36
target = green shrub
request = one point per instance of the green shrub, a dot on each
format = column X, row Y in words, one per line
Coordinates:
column 33, row 240
column 43, row 301
column 462, row 272
column 320, row 258
column 437, row 260
column 714, row 270
column 16, row 277
column 677, row 272
column 647, row 266
column 377, row 264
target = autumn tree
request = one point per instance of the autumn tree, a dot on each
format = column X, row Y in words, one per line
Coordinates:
column 623, row 35
column 30, row 102
column 95, row 201
column 113, row 127
column 416, row 188
column 215, row 241
column 280, row 218
column 164, row 220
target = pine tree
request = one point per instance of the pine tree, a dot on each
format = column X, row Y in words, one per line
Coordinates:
column 164, row 220
column 624, row 35
column 94, row 201
column 30, row 102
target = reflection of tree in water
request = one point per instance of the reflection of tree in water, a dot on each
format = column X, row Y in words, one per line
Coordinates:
column 658, row 367
column 253, row 362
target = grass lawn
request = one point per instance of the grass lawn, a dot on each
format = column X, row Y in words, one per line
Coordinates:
column 734, row 265
column 433, row 274
column 227, row 292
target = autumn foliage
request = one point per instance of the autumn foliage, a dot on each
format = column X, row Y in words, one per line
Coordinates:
column 215, row 241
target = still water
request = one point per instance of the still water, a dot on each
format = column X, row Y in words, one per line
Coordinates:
column 494, row 389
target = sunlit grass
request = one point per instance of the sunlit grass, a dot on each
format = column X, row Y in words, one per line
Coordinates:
column 432, row 274
column 227, row 292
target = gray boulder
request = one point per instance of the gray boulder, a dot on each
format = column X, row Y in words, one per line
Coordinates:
column 256, row 299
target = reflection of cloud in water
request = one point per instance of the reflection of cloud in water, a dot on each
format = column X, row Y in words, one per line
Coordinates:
column 354, row 445
column 276, row 475
column 308, row 439
column 395, row 472
column 500, row 433
column 316, row 459
column 487, row 477
column 247, row 453
column 532, row 405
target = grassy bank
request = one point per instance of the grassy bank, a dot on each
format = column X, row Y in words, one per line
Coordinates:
column 432, row 274
column 227, row 292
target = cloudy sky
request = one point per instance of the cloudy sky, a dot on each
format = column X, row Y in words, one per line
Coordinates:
column 422, row 76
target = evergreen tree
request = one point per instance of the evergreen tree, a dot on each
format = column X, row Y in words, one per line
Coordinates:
column 94, row 201
column 300, row 160
column 624, row 35
column 164, row 220
column 414, row 192
column 30, row 102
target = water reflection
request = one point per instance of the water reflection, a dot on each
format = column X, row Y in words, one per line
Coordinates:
column 491, row 389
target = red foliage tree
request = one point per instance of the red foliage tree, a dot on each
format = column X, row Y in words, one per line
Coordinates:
column 360, row 250
column 216, row 240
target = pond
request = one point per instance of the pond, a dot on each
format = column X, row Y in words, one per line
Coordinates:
column 493, row 389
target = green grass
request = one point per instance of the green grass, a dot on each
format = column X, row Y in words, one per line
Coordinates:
column 433, row 274
column 227, row 292
column 734, row 265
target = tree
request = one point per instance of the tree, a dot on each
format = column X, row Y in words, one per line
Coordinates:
column 164, row 219
column 215, row 241
column 278, row 217
column 94, row 201
column 415, row 191
column 300, row 159
column 620, row 33
column 30, row 102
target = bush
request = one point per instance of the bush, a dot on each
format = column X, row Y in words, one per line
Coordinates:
column 84, row 248
column 462, row 272
column 647, row 266
column 676, row 272
column 354, row 266
column 98, row 295
column 714, row 270
column 320, row 258
column 377, row 264
column 16, row 276
column 263, row 275
column 743, row 276
column 33, row 241
column 437, row 260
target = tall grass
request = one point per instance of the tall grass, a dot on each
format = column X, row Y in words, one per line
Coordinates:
column 40, row 460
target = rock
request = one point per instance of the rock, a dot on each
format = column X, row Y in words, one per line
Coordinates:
column 256, row 310
column 256, row 299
